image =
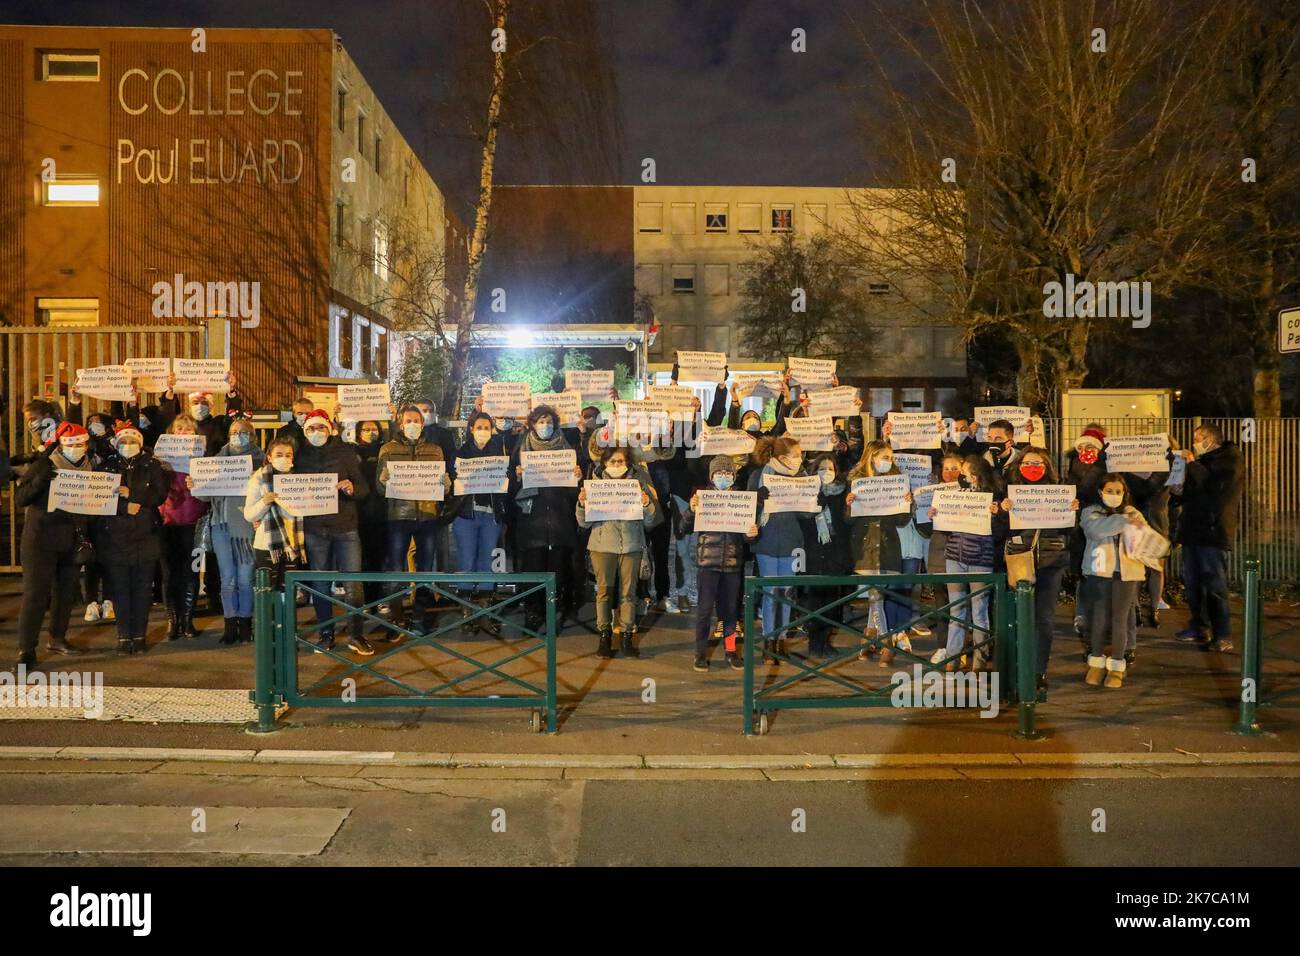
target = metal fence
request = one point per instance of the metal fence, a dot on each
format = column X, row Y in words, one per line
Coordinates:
column 1270, row 669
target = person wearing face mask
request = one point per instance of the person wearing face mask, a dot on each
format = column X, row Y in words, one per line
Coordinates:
column 962, row 441
column 232, row 538
column 49, row 544
column 1211, row 497
column 720, row 563
column 292, row 429
column 779, row 534
column 214, row 428
column 969, row 553
column 1002, row 453
column 1111, row 580
column 936, row 562
column 546, row 526
column 411, row 520
column 617, row 548
column 42, row 419
column 278, row 540
column 1151, row 495
column 877, row 547
column 1085, row 466
column 368, row 440
column 477, row 520
column 94, row 589
column 826, row 544
column 751, row 421
column 1051, row 550
column 181, row 513
column 334, row 540
column 129, row 542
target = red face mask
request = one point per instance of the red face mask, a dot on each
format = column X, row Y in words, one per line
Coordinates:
column 1087, row 454
column 1033, row 472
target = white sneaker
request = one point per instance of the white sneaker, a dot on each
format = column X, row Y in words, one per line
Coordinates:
column 902, row 643
column 339, row 590
column 919, row 630
column 1162, row 606
column 665, row 606
column 385, row 610
column 939, row 656
column 106, row 611
column 92, row 613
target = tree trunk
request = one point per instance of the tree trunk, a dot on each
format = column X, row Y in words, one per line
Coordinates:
column 482, row 214
column 1028, row 381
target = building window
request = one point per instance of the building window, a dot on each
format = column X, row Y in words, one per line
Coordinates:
column 338, row 223
column 680, row 337
column 684, row 279
column 379, row 152
column 76, row 66
column 715, row 217
column 783, row 218
column 381, row 251
column 650, row 278
column 62, row 312
column 343, row 110
column 650, row 217
column 71, row 191
column 913, row 400
column 715, row 279
column 345, row 341
column 361, row 132
column 749, row 217
column 882, row 402
column 683, row 219
column 717, row 338
column 878, row 288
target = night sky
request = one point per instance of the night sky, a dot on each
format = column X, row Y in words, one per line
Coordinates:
column 709, row 88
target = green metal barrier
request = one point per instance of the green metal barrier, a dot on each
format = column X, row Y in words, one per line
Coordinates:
column 1256, row 645
column 1012, row 653
column 279, row 635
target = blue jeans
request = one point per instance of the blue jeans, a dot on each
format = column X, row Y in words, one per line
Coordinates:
column 1205, row 574
column 476, row 538
column 771, row 566
column 979, row 609
column 235, row 561
column 400, row 534
column 335, row 552
column 898, row 605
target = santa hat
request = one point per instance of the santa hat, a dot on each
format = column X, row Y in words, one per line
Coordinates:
column 123, row 429
column 317, row 413
column 70, row 433
column 196, row 397
column 1091, row 436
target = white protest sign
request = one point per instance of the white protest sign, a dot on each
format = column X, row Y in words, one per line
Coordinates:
column 788, row 493
column 84, row 492
column 725, row 441
column 1144, row 543
column 364, row 403
column 415, row 480
column 639, row 422
column 677, row 400
column 812, row 434
column 150, row 374
column 1177, row 472
column 1017, row 415
column 568, row 405
column 221, row 475
column 177, row 450
column 201, row 375
column 610, row 499
column 304, row 496
column 702, row 367
column 592, row 384
column 810, row 373
column 915, row 429
column 726, row 511
column 482, row 476
column 1138, row 453
column 880, row 495
column 918, row 468
column 506, row 399
column 836, row 402
column 967, row 511
column 1041, row 506
column 549, row 469
column 111, row 383
column 923, row 497
column 758, row 385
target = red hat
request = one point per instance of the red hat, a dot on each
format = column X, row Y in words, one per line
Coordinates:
column 1092, row 436
column 71, row 431
column 317, row 413
column 122, row 429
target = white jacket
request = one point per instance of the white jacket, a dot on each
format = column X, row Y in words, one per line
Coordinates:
column 1104, row 544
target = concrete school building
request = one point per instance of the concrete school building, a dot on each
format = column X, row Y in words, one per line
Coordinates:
column 566, row 254
column 228, row 193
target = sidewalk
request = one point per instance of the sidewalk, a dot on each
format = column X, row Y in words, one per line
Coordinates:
column 1178, row 699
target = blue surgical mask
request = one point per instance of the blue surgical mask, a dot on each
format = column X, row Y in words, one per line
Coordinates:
column 318, row 438
column 240, row 439
column 97, row 429
column 723, row 481
column 545, row 430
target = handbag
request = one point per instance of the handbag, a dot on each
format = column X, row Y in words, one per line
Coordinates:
column 1020, row 567
column 203, row 532
column 85, row 549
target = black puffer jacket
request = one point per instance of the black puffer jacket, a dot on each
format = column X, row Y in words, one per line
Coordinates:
column 1212, row 498
column 716, row 550
column 125, row 538
column 462, row 506
column 338, row 457
column 43, row 529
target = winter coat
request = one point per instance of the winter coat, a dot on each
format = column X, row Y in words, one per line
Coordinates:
column 215, row 428
column 1103, row 533
column 783, row 531
column 43, row 529
column 1211, row 498
column 181, row 507
column 339, row 458
column 228, row 510
column 463, row 506
column 125, row 538
column 621, row 537
column 403, row 449
column 546, row 519
column 1054, row 544
column 978, row 550
column 836, row 555
column 715, row 550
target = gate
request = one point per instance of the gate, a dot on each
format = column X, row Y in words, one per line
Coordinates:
column 42, row 362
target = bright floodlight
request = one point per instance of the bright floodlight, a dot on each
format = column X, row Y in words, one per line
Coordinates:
column 518, row 338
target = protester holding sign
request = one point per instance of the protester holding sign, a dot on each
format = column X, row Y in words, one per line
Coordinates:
column 1002, row 453
column 232, row 533
column 181, row 513
column 936, row 561
column 1033, row 486
column 50, row 543
column 129, row 542
column 546, row 528
column 214, row 428
column 779, row 534
column 333, row 540
column 278, row 542
column 751, row 421
column 616, row 548
column 826, row 545
column 1111, row 580
column 477, row 519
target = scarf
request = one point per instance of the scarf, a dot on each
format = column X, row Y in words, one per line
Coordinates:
column 219, row 507
column 60, row 463
column 283, row 530
column 823, row 518
column 532, row 443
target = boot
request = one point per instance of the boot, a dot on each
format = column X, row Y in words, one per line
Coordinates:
column 489, row 624
column 244, row 630
column 185, row 615
column 138, row 645
column 1115, row 668
column 173, row 624
column 629, row 643
column 1096, row 670
column 605, row 649
column 231, row 633
column 124, row 646
column 60, row 645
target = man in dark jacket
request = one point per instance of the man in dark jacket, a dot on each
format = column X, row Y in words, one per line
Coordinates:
column 334, row 540
column 214, row 428
column 292, row 429
column 1211, row 497
column 444, row 439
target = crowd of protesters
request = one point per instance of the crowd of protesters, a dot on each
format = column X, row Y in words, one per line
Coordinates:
column 149, row 551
